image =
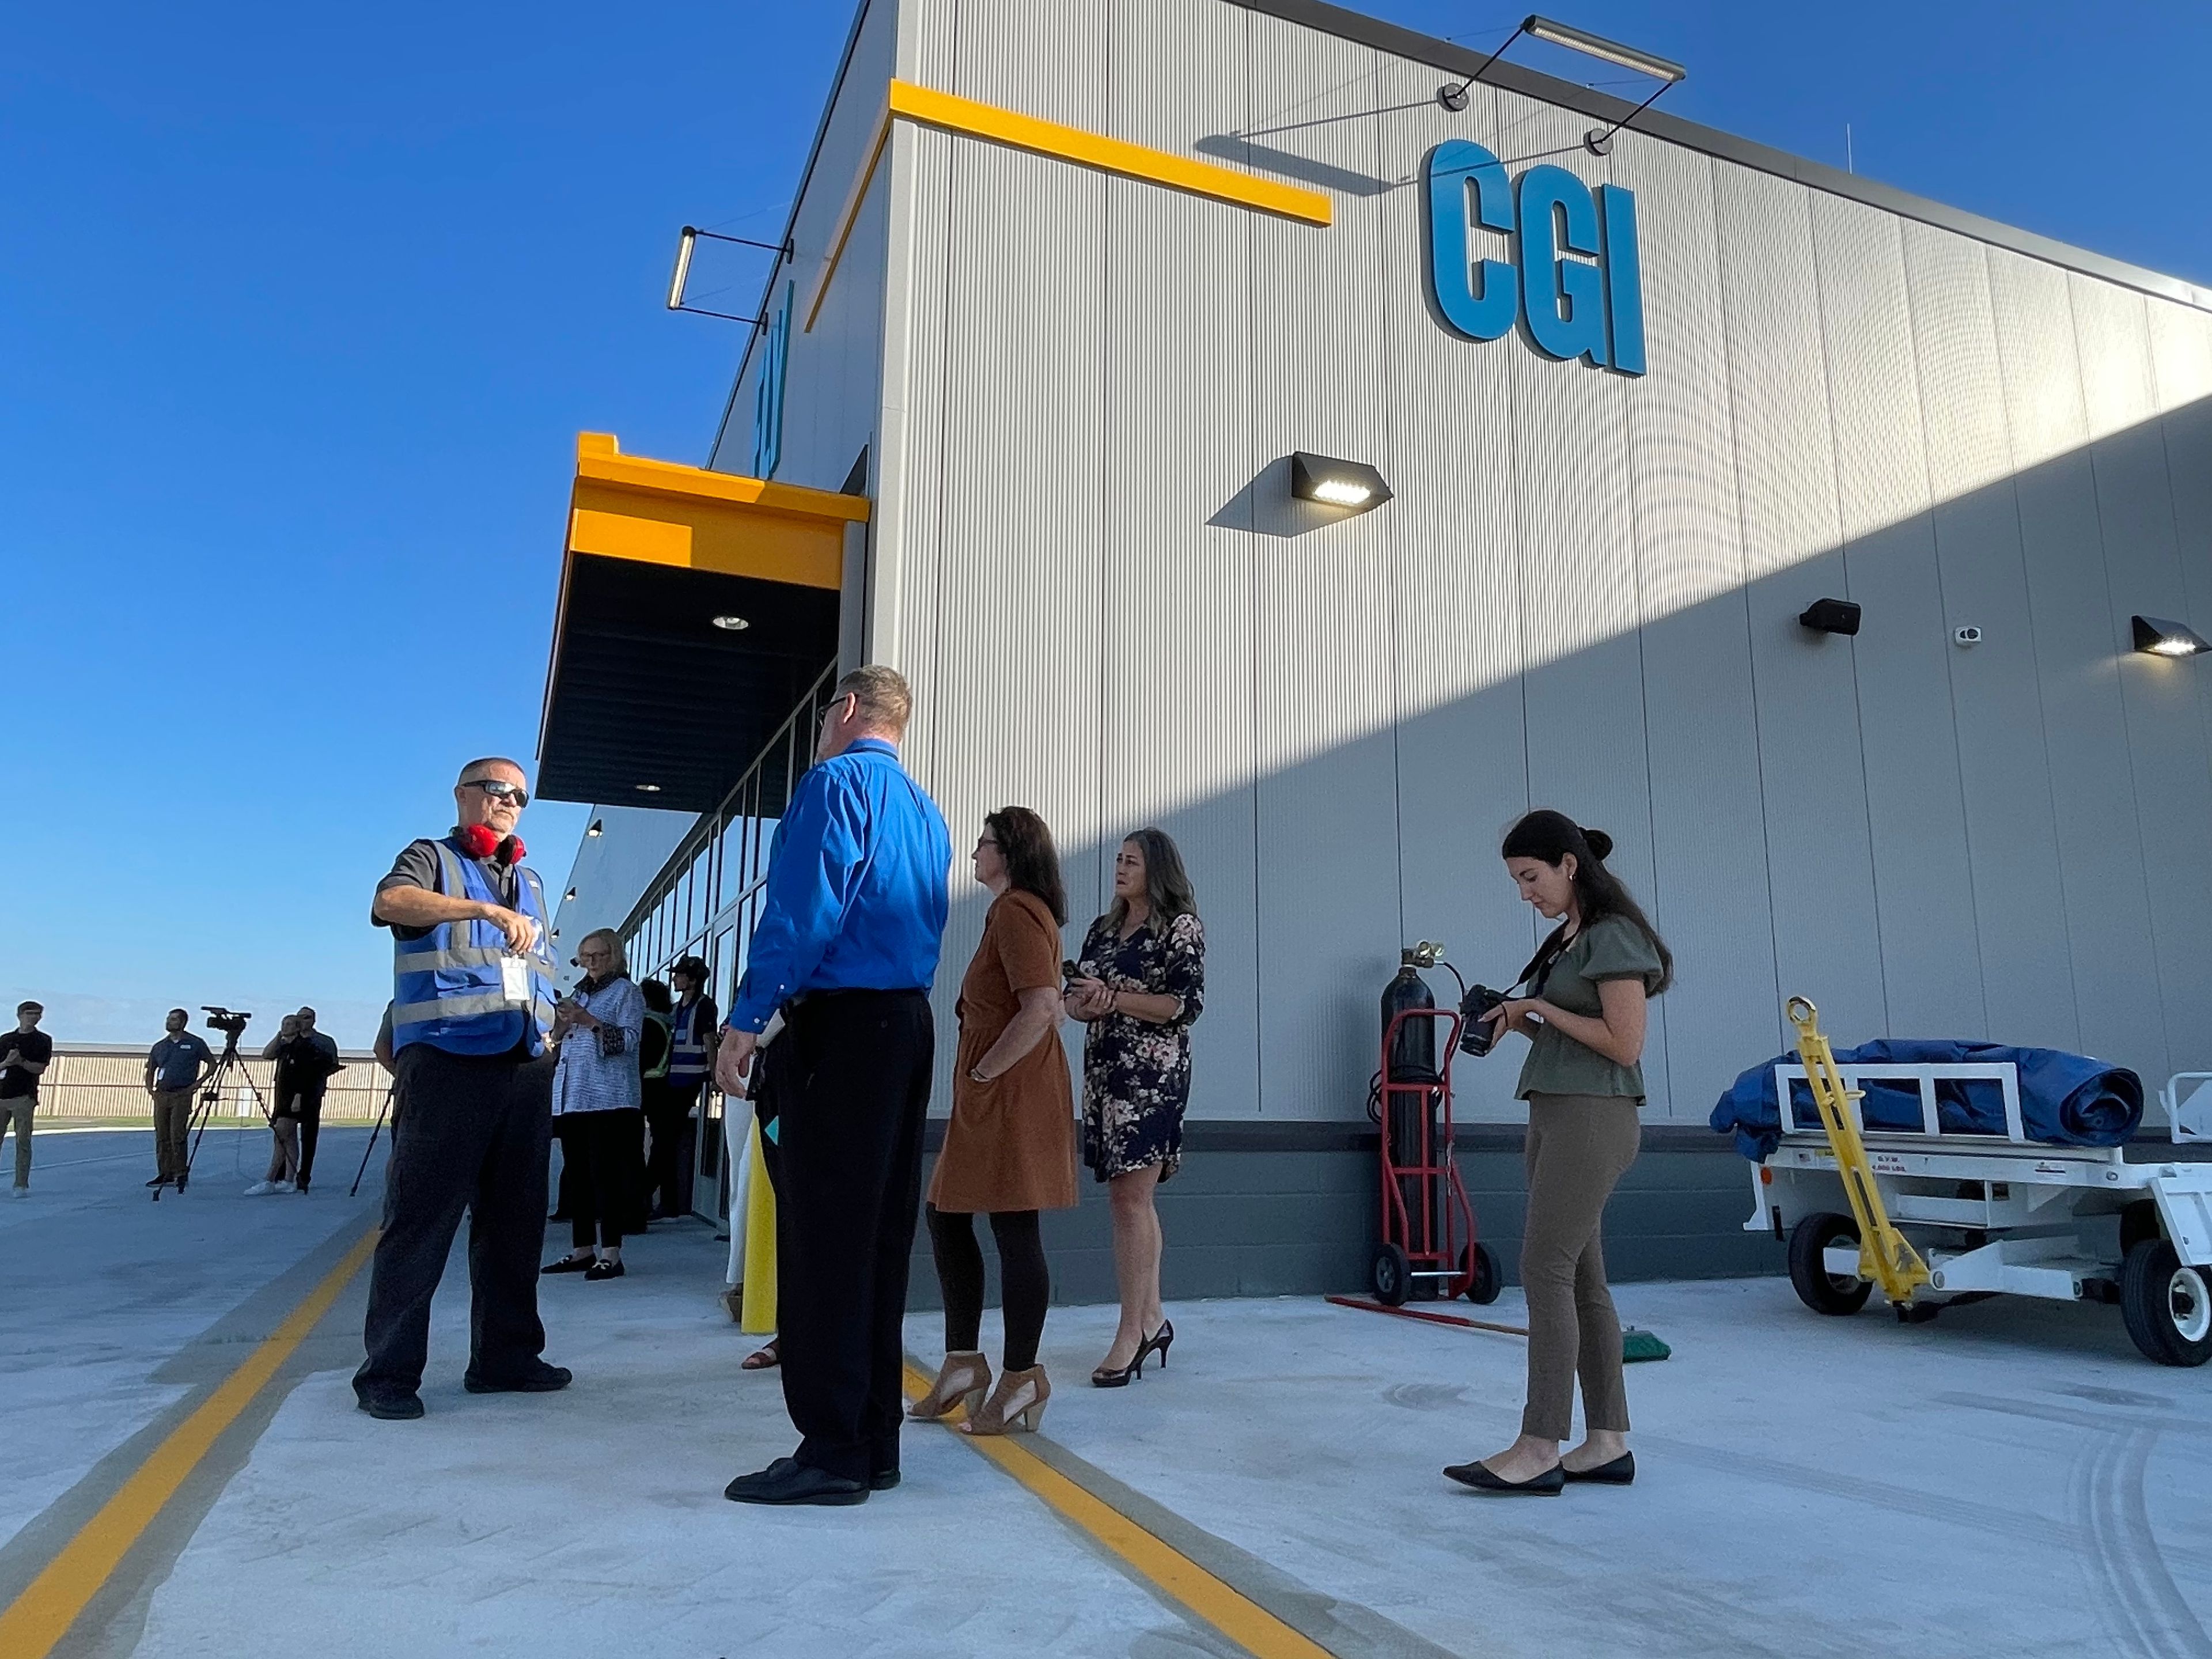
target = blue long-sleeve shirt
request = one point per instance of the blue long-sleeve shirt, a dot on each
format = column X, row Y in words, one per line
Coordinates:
column 856, row 894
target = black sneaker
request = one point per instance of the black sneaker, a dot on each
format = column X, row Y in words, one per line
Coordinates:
column 391, row 1407
column 540, row 1378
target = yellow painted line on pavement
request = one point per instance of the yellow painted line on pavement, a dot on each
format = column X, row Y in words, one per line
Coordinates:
column 37, row 1620
column 1242, row 1621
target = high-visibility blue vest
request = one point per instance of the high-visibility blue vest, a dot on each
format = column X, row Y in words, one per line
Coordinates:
column 689, row 1059
column 447, row 988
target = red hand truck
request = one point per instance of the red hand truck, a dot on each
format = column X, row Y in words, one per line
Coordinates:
column 1429, row 1236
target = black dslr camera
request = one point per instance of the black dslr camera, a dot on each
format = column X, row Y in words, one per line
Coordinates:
column 1478, row 1037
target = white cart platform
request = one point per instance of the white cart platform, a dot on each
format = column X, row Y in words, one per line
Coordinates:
column 1995, row 1214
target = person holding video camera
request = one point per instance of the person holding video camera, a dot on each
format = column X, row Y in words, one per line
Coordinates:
column 1590, row 984
column 305, row 1059
column 283, row 1174
column 472, row 1001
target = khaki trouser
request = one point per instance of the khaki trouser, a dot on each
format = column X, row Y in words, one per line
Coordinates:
column 172, row 1116
column 20, row 1111
column 1578, row 1148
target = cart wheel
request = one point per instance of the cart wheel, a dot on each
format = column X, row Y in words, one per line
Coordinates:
column 1392, row 1276
column 2167, row 1305
column 1816, row 1287
column 1478, row 1263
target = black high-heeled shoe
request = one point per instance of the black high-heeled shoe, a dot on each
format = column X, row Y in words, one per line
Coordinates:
column 1157, row 1343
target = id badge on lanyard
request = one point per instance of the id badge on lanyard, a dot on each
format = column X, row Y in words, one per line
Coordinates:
column 515, row 981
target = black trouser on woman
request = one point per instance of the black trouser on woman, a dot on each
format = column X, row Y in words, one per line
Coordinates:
column 668, row 1171
column 476, row 1140
column 848, row 1194
column 606, row 1151
column 1025, row 1278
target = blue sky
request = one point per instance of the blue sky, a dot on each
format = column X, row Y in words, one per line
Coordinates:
column 302, row 309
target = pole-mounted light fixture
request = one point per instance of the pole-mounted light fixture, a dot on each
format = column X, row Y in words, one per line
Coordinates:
column 686, row 243
column 1352, row 485
column 2157, row 637
column 1597, row 141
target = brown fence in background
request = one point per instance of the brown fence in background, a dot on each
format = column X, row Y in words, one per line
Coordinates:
column 87, row 1083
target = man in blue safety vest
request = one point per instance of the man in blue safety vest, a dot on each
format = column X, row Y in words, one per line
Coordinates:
column 472, row 999
column 690, row 1058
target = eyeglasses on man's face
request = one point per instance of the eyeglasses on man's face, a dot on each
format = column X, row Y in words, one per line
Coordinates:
column 499, row 789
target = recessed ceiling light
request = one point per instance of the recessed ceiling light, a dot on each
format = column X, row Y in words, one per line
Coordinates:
column 650, row 788
column 732, row 624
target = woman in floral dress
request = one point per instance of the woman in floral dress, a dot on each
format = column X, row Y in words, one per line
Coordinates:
column 1141, row 982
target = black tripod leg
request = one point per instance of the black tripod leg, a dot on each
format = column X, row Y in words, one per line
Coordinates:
column 354, row 1191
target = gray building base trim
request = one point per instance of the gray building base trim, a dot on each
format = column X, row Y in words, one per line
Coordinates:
column 1292, row 1209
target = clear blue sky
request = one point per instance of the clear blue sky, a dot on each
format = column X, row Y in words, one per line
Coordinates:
column 300, row 310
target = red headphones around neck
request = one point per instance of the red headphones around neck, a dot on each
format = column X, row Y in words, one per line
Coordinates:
column 480, row 841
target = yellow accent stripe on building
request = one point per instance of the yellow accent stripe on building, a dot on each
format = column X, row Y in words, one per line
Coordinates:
column 953, row 114
column 1242, row 1621
column 36, row 1621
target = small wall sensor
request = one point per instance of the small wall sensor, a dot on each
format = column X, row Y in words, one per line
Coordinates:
column 1965, row 636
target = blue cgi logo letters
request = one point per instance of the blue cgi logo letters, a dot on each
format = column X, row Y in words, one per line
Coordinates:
column 1581, row 291
column 768, row 396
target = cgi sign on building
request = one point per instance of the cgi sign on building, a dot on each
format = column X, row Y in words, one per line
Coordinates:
column 1570, row 266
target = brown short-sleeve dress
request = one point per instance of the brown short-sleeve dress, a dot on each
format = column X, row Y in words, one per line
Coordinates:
column 1011, row 1144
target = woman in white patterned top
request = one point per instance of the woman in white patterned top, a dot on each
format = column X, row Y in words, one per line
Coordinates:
column 597, row 1029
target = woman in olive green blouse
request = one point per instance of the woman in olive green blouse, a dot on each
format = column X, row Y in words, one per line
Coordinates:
column 1584, row 1016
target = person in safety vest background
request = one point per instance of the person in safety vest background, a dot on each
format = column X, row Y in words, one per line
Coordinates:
column 671, row 1111
column 472, row 1000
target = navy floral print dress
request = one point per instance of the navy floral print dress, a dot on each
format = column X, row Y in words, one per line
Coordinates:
column 1136, row 1076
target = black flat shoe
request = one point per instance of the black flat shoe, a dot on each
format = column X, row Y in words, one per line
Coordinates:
column 788, row 1481
column 1620, row 1472
column 599, row 1270
column 883, row 1479
column 1546, row 1484
column 391, row 1407
column 570, row 1264
column 540, row 1378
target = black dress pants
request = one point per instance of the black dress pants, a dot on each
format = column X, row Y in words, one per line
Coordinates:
column 668, row 1173
column 606, row 1150
column 310, row 1110
column 476, row 1140
column 849, row 1191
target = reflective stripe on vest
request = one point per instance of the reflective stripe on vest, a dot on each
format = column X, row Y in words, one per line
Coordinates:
column 659, row 1071
column 447, row 987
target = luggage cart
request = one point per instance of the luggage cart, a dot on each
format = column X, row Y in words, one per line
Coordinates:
column 1937, row 1218
column 1428, row 1225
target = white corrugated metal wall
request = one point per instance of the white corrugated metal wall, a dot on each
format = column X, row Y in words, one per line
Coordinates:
column 1585, row 593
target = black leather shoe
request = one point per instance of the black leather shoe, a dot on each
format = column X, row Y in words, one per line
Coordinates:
column 391, row 1407
column 540, row 1378
column 569, row 1264
column 599, row 1270
column 1620, row 1472
column 1546, row 1484
column 787, row 1480
column 883, row 1479
column 182, row 1178
column 158, row 1181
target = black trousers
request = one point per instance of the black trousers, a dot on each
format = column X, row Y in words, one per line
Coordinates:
column 848, row 1189
column 606, row 1151
column 306, row 1105
column 476, row 1140
column 668, row 1172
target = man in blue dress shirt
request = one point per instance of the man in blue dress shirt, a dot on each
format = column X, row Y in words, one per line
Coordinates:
column 847, row 947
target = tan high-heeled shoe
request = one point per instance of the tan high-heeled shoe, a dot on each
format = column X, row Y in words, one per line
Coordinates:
column 963, row 1380
column 1017, row 1404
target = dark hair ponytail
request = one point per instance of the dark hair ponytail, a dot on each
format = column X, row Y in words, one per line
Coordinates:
column 1549, row 836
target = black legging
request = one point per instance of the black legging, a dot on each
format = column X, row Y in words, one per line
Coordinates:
column 1025, row 1278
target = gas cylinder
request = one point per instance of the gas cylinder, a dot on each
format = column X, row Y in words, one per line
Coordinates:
column 1412, row 1057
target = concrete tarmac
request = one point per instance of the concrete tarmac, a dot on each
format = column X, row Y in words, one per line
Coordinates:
column 2012, row 1479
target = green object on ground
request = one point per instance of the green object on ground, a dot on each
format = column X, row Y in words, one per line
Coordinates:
column 1636, row 1345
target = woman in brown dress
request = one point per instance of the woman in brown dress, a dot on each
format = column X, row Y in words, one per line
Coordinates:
column 1010, row 1148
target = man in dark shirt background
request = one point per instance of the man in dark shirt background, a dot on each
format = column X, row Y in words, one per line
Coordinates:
column 306, row 1062
column 175, row 1068
column 24, row 1052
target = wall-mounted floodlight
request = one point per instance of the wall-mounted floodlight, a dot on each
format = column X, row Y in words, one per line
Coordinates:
column 596, row 830
column 686, row 243
column 1353, row 485
column 1831, row 616
column 1597, row 141
column 2157, row 637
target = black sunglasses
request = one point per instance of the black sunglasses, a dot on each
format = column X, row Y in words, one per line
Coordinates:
column 500, row 789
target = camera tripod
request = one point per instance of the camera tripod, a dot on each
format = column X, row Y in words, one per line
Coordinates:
column 231, row 1064
column 390, row 1094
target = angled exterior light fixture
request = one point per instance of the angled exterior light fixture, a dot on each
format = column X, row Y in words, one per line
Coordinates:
column 2157, row 637
column 1831, row 616
column 1598, row 140
column 598, row 829
column 1352, row 485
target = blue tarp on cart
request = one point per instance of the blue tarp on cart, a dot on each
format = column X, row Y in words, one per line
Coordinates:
column 2066, row 1100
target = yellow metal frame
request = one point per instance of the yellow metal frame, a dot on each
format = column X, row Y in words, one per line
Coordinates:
column 950, row 113
column 1885, row 1256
